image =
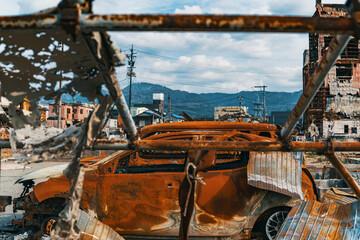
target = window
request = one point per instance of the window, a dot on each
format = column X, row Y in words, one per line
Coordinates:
column 354, row 130
column 81, row 111
column 68, row 110
column 346, row 128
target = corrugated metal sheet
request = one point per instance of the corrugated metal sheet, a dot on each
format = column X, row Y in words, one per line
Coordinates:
column 276, row 171
column 93, row 229
column 315, row 220
column 338, row 197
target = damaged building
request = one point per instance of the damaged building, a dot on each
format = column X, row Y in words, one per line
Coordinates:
column 336, row 106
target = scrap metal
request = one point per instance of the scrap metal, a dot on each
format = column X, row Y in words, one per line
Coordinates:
column 320, row 221
column 338, row 197
column 276, row 171
column 80, row 24
column 208, row 23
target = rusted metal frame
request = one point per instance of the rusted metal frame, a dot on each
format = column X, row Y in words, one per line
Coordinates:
column 336, row 47
column 319, row 147
column 350, row 181
column 209, row 23
column 113, row 86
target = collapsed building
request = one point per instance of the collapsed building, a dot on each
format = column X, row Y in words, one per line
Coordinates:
column 336, row 106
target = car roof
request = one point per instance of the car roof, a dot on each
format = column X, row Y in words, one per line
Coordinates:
column 210, row 126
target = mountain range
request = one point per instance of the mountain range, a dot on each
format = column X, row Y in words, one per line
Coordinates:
column 202, row 105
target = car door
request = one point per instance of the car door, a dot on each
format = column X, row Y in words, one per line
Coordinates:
column 140, row 196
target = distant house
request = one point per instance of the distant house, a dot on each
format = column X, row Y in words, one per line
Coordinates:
column 174, row 118
column 66, row 116
column 137, row 110
column 147, row 118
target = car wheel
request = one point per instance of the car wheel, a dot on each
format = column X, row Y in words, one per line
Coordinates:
column 273, row 222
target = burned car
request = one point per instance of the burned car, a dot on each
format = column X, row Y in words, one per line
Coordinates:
column 136, row 192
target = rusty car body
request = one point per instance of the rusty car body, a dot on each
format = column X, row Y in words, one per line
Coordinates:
column 136, row 192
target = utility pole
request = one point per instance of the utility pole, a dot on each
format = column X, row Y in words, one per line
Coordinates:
column 264, row 100
column 131, row 62
column 169, row 99
column 60, row 102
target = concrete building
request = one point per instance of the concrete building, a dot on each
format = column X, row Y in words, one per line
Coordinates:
column 81, row 111
column 229, row 113
column 343, row 129
column 70, row 114
column 66, row 116
column 338, row 98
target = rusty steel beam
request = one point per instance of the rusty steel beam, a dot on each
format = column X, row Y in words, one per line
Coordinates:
column 336, row 47
column 350, row 181
column 319, row 147
column 226, row 23
column 198, row 23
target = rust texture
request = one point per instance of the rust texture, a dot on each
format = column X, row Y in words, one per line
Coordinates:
column 98, row 42
column 136, row 192
column 276, row 171
column 315, row 220
column 338, row 197
column 225, row 23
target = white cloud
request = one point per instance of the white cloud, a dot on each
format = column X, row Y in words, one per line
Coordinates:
column 189, row 10
column 205, row 62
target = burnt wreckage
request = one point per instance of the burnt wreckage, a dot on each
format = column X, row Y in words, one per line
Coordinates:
column 40, row 48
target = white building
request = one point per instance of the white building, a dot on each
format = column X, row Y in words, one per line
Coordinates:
column 229, row 113
column 341, row 129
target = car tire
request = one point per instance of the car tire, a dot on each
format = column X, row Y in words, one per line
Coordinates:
column 272, row 222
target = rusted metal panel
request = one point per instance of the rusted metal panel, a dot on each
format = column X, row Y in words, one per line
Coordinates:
column 153, row 22
column 93, row 229
column 338, row 197
column 275, row 171
column 315, row 220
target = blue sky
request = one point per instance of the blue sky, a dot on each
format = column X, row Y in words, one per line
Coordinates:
column 205, row 62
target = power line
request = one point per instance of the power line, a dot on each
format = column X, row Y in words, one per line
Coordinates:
column 248, row 57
